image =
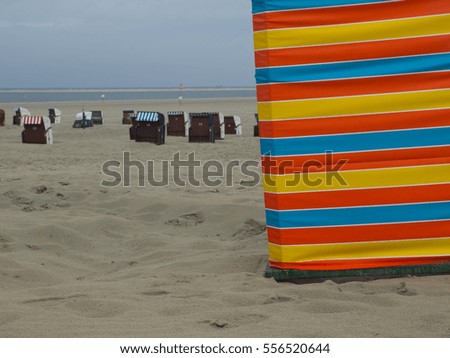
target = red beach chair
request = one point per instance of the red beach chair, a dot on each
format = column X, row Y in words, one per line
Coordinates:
column 178, row 124
column 233, row 125
column 202, row 127
column 37, row 130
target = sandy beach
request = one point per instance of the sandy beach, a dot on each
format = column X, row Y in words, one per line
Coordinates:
column 78, row 259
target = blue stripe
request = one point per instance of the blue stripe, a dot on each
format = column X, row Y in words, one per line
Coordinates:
column 274, row 5
column 354, row 69
column 359, row 216
column 358, row 142
column 147, row 117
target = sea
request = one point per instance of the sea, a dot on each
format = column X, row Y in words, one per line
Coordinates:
column 18, row 96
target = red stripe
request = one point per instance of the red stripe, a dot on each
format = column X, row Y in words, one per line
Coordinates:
column 348, row 14
column 360, row 197
column 352, row 52
column 353, row 87
column 32, row 120
column 360, row 233
column 332, row 265
column 355, row 161
column 354, row 124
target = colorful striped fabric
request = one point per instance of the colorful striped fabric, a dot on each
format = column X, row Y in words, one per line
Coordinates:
column 175, row 113
column 203, row 114
column 32, row 120
column 354, row 119
column 147, row 117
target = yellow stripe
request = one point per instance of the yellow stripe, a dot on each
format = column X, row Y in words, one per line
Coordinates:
column 385, row 249
column 396, row 102
column 381, row 30
column 370, row 178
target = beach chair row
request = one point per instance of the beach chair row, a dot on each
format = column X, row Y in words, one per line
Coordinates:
column 37, row 129
column 20, row 113
column 54, row 114
column 145, row 126
column 198, row 126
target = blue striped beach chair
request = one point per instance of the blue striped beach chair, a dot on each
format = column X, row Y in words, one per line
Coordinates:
column 150, row 127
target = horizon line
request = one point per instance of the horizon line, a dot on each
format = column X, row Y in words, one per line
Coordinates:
column 124, row 89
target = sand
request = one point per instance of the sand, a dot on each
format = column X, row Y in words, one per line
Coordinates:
column 81, row 260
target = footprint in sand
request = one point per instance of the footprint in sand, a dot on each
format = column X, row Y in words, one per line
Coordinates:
column 61, row 196
column 218, row 324
column 17, row 199
column 251, row 228
column 21, row 201
column 5, row 244
column 192, row 219
column 41, row 189
column 278, row 299
column 235, row 320
column 404, row 291
column 155, row 293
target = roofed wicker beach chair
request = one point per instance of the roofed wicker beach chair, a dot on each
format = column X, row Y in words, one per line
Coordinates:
column 178, row 124
column 55, row 115
column 150, row 127
column 233, row 125
column 256, row 128
column 219, row 125
column 83, row 120
column 132, row 129
column 19, row 113
column 2, row 117
column 37, row 130
column 97, row 117
column 202, row 127
column 126, row 116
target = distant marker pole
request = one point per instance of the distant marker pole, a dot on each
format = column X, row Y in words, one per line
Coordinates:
column 180, row 97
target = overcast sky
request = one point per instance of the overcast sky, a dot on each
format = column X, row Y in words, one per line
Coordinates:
column 125, row 43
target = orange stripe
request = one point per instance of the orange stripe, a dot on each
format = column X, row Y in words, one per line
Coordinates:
column 328, row 265
column 361, row 197
column 348, row 14
column 352, row 52
column 341, row 234
column 354, row 124
column 356, row 161
column 353, row 87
